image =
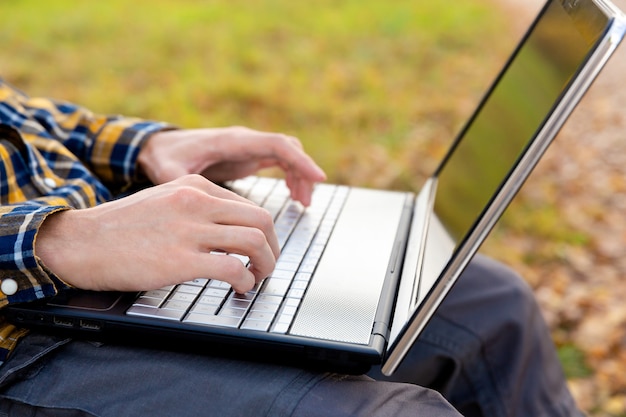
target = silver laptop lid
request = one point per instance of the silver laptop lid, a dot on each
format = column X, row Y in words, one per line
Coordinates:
column 545, row 78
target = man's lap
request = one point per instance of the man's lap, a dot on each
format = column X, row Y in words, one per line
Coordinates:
column 109, row 380
column 465, row 352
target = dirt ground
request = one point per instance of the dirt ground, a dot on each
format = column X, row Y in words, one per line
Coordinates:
column 583, row 296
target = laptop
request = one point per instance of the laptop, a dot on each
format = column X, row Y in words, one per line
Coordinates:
column 362, row 271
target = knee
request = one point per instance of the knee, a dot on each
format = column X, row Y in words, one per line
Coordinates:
column 506, row 283
column 489, row 296
column 358, row 396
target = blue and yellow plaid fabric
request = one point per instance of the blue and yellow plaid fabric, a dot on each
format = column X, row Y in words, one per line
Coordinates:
column 54, row 156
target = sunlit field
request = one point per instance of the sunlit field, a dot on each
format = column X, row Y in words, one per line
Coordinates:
column 366, row 85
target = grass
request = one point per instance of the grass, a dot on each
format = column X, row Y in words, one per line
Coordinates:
column 357, row 81
column 573, row 361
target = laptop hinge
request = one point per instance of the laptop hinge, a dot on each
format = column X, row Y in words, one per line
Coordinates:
column 381, row 329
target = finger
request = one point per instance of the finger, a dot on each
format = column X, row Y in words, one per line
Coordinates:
column 208, row 208
column 301, row 189
column 305, row 191
column 246, row 241
column 228, row 269
column 289, row 153
column 229, row 213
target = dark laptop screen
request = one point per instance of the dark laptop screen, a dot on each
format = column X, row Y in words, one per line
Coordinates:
column 514, row 111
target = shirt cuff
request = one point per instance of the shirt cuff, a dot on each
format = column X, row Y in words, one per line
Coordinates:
column 17, row 255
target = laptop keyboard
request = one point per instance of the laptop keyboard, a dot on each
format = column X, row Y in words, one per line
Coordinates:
column 272, row 305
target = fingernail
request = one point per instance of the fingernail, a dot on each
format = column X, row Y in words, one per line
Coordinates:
column 321, row 173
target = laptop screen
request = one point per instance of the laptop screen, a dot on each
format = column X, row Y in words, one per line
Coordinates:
column 560, row 56
column 516, row 109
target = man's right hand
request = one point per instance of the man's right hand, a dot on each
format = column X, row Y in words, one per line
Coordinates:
column 160, row 236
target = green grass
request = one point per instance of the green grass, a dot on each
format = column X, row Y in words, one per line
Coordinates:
column 573, row 360
column 361, row 82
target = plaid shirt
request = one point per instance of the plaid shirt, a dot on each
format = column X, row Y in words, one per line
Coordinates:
column 55, row 156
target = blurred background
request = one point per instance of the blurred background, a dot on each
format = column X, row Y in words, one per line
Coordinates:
column 376, row 91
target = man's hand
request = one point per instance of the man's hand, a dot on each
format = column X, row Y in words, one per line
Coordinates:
column 161, row 236
column 222, row 154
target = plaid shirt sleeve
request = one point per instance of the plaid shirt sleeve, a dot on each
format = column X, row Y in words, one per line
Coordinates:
column 107, row 145
column 53, row 156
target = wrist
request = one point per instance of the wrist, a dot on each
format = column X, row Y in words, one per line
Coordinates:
column 145, row 158
column 59, row 243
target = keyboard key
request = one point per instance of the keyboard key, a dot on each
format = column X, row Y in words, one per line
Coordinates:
column 268, row 299
column 162, row 313
column 275, row 287
column 265, row 307
column 237, row 303
column 282, row 274
column 286, row 311
column 281, row 328
column 259, row 325
column 188, row 289
column 147, row 301
column 302, row 277
column 207, row 299
column 221, row 321
column 249, row 296
column 242, row 186
column 205, row 309
column 295, row 293
column 198, row 282
column 159, row 294
column 261, row 315
column 232, row 312
column 286, row 266
column 183, row 296
column 299, row 285
column 292, row 302
column 215, row 292
column 308, row 267
column 177, row 305
column 214, row 283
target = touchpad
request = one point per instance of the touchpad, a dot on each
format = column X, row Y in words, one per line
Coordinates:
column 87, row 300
